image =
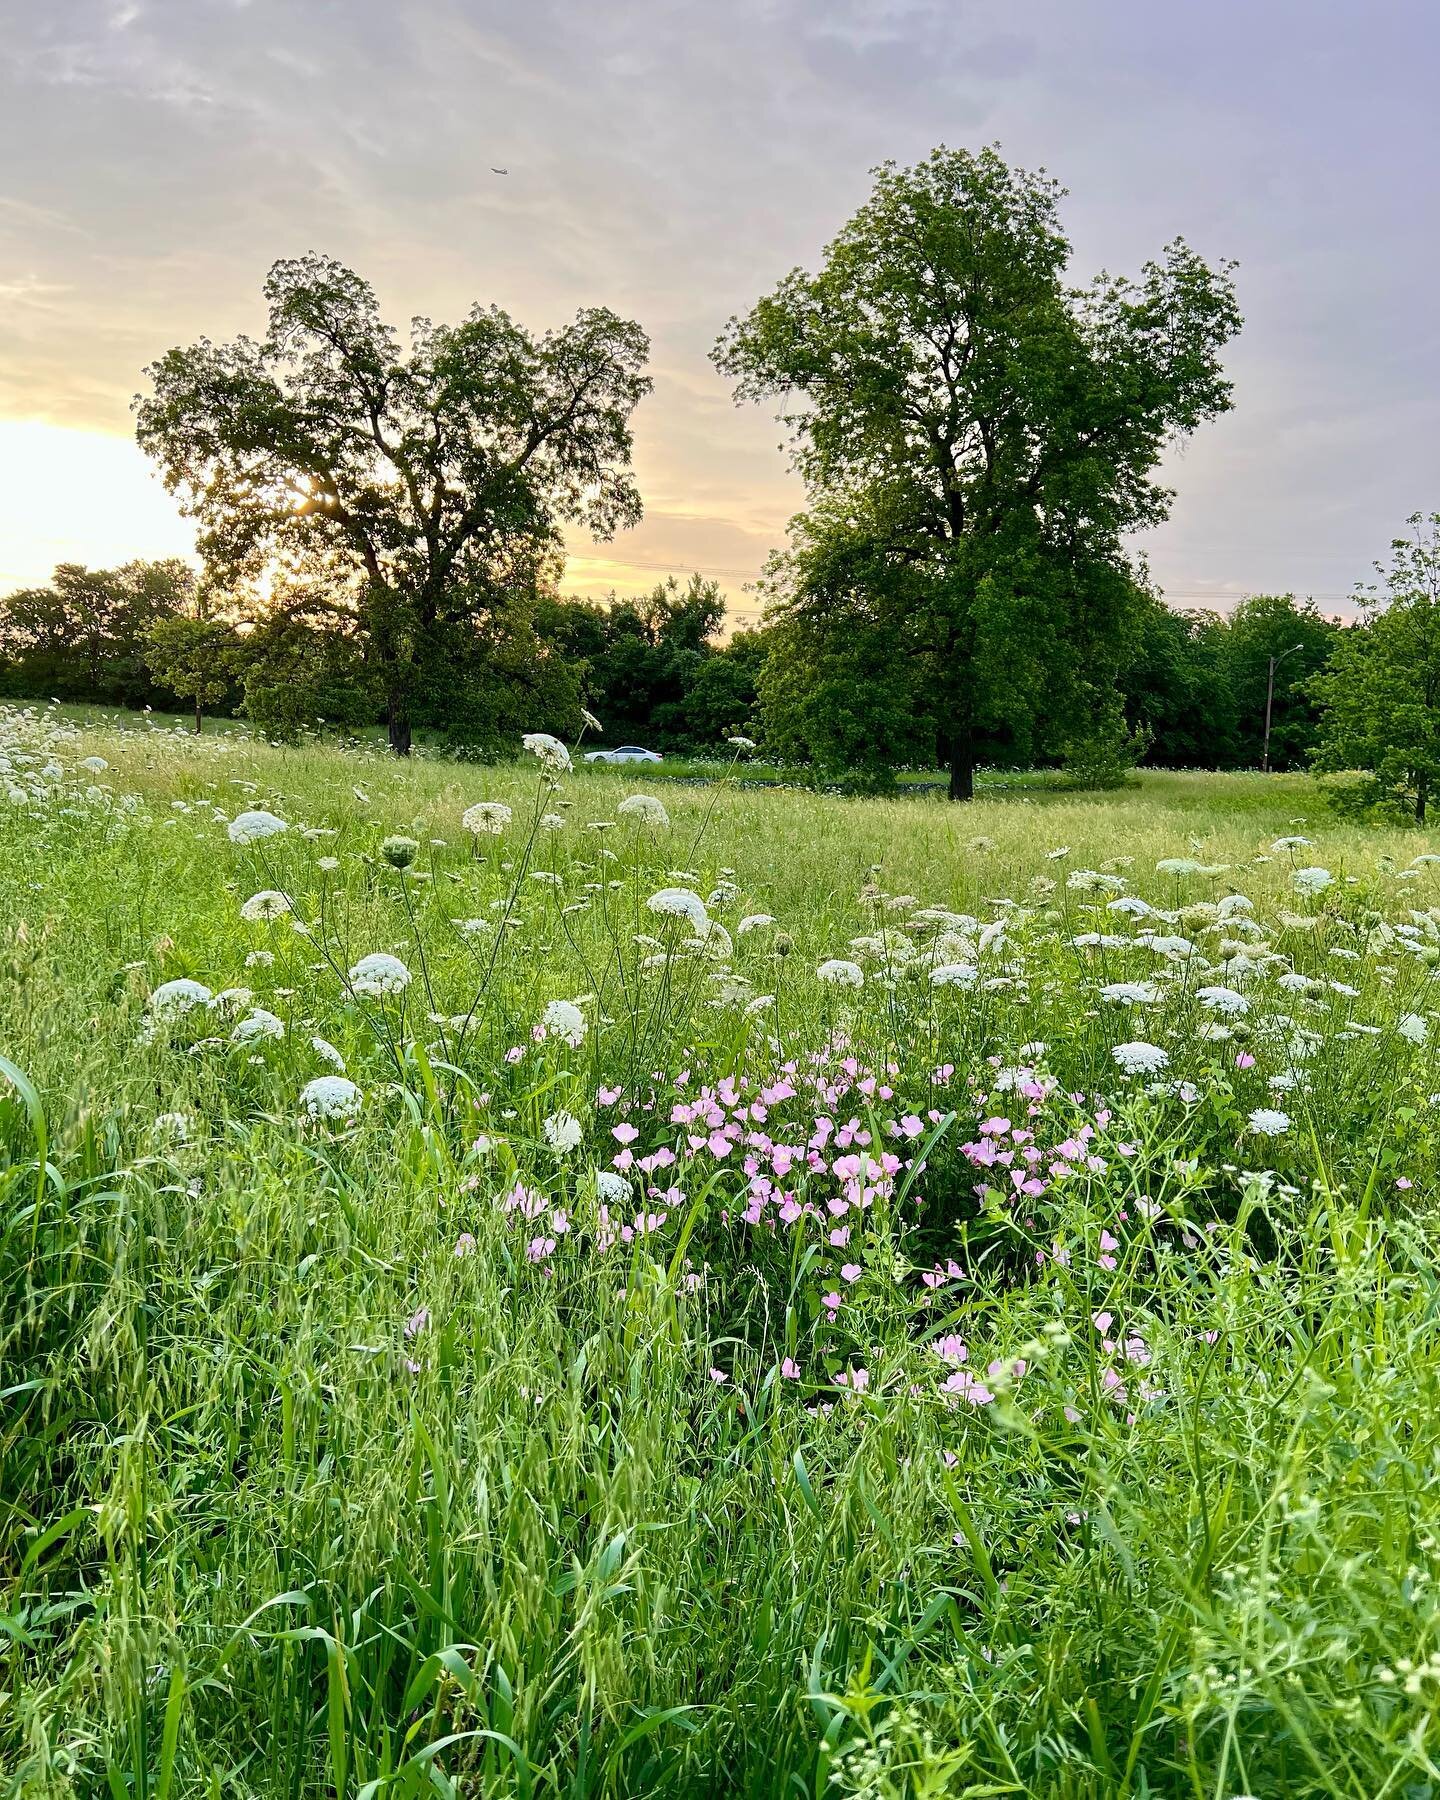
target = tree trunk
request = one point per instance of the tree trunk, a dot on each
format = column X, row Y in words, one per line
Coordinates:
column 197, row 718
column 962, row 769
column 1422, row 794
column 397, row 717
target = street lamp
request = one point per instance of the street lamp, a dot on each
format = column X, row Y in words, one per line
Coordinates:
column 1275, row 662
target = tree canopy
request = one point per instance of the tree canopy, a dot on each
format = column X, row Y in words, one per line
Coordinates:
column 976, row 437
column 423, row 484
column 1380, row 693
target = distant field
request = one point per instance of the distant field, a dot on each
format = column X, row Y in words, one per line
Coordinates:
column 744, row 1291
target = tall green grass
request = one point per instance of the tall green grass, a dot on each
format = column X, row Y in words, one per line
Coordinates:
column 255, row 1540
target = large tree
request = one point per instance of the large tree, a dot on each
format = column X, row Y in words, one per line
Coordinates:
column 426, row 480
column 1380, row 693
column 976, row 437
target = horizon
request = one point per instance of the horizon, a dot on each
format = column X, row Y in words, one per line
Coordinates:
column 162, row 156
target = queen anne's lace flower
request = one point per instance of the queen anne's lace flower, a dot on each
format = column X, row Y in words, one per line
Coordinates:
column 838, row 972
column 565, row 1019
column 379, row 974
column 331, row 1097
column 250, row 827
column 562, row 1132
column 258, row 1024
column 1265, row 1121
column 645, row 809
column 173, row 999
column 269, row 903
column 1140, row 1058
column 486, row 818
column 1311, row 881
column 954, row 974
column 679, row 903
column 552, row 755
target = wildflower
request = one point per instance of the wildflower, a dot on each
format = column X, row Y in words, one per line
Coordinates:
column 1413, row 1028
column 267, row 904
column 679, row 903
column 173, row 999
column 250, row 827
column 1140, row 1058
column 753, row 922
column 1178, row 865
column 645, row 809
column 260, row 959
column 840, row 973
column 331, row 1097
column 327, row 1052
column 954, row 974
column 486, row 818
column 97, row 765
column 612, row 1188
column 1265, row 1121
column 1282, row 844
column 1311, row 881
column 1130, row 993
column 562, row 1132
column 1223, row 1000
column 740, row 743
column 399, row 852
column 566, row 1020
column 789, row 1369
column 258, row 1024
column 379, row 974
column 551, row 754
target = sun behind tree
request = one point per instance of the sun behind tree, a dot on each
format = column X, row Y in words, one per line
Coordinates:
column 430, row 482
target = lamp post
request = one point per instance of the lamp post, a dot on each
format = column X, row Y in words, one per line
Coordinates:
column 1275, row 662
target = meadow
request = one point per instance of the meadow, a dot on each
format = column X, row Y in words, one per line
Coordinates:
column 517, row 1281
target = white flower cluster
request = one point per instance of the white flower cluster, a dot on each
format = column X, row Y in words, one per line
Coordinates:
column 486, row 818
column 251, row 827
column 379, row 974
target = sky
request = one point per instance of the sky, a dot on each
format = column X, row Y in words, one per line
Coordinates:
column 672, row 159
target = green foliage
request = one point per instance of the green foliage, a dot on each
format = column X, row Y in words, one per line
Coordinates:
column 315, row 1486
column 86, row 635
column 1196, row 682
column 195, row 658
column 650, row 668
column 976, row 438
column 428, row 482
column 1381, row 690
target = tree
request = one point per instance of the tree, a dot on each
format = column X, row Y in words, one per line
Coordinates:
column 1282, row 627
column 426, row 481
column 193, row 656
column 639, row 659
column 1380, row 695
column 84, row 636
column 976, row 437
column 1176, row 683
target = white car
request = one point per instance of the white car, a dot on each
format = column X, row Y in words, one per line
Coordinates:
column 627, row 753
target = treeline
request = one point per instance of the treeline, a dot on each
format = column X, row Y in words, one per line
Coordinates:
column 652, row 668
column 655, row 669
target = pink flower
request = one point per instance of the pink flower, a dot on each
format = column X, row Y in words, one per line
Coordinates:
column 832, row 1300
column 417, row 1322
column 624, row 1133
column 465, row 1244
column 851, row 1271
column 718, row 1375
column 1244, row 1060
column 789, row 1369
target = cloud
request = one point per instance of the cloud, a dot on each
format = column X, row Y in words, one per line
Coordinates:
column 673, row 161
